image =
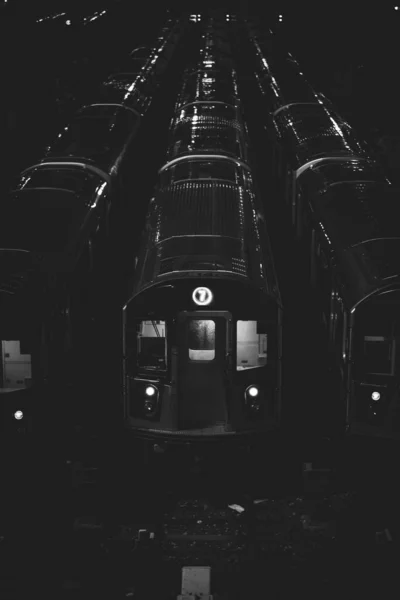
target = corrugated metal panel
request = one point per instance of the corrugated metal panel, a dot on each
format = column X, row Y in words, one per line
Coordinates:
column 206, row 208
column 312, row 131
column 207, row 85
column 208, row 128
column 131, row 90
column 325, row 175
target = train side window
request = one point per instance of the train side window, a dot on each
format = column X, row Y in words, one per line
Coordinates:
column 16, row 366
column 251, row 346
column 201, row 340
column 151, row 345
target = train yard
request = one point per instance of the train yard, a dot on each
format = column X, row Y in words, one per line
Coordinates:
column 93, row 509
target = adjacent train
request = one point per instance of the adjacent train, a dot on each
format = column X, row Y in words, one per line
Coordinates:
column 54, row 228
column 202, row 330
column 343, row 211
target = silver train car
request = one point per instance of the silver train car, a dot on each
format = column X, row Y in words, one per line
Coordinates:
column 54, row 229
column 343, row 210
column 202, row 330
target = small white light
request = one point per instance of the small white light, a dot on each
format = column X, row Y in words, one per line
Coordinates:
column 18, row 415
column 396, row 8
column 68, row 22
column 150, row 391
column 375, row 396
column 252, row 391
column 202, row 296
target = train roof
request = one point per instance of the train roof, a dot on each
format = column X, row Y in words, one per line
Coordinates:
column 207, row 128
column 207, row 225
column 134, row 87
column 82, row 182
column 282, row 79
column 130, row 89
column 371, row 267
column 350, row 212
column 320, row 176
column 360, row 224
column 208, row 85
column 97, row 133
column 213, row 58
column 40, row 220
column 141, row 52
column 310, row 132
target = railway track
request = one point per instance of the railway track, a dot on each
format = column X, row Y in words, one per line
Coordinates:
column 198, row 536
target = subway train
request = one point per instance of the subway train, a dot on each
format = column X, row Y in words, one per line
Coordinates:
column 343, row 211
column 54, row 230
column 202, row 328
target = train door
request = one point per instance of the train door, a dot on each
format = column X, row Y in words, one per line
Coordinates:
column 202, row 384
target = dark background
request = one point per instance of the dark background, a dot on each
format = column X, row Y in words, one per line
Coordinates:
column 349, row 51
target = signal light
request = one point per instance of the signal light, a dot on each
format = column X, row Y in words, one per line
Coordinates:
column 18, row 415
column 150, row 390
column 375, row 396
column 148, row 406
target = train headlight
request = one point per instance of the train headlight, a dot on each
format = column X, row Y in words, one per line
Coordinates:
column 151, row 401
column 18, row 415
column 252, row 391
column 377, row 408
column 253, row 400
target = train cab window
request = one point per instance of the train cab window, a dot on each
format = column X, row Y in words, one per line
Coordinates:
column 251, row 345
column 379, row 355
column 201, row 340
column 151, row 345
column 16, row 366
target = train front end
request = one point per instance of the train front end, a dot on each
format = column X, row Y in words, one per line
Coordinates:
column 17, row 366
column 372, row 390
column 202, row 360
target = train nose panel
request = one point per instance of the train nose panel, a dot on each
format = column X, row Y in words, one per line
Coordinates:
column 202, row 398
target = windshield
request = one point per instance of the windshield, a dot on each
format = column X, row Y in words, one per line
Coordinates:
column 377, row 337
column 16, row 365
column 151, row 345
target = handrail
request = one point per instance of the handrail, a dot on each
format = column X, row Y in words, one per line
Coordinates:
column 278, row 110
column 204, row 157
column 135, row 112
column 316, row 161
column 79, row 165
